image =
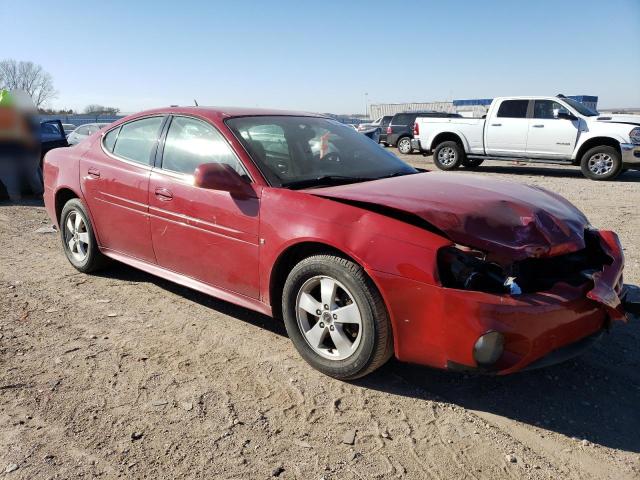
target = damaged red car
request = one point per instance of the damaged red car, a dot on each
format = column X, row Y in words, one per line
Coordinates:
column 364, row 257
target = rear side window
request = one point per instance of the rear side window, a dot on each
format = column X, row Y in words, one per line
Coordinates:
column 192, row 142
column 137, row 140
column 513, row 109
column 403, row 119
column 110, row 139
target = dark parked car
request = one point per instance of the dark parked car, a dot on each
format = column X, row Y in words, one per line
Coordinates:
column 52, row 136
column 381, row 124
column 400, row 131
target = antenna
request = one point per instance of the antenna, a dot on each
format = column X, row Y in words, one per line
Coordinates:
column 196, row 102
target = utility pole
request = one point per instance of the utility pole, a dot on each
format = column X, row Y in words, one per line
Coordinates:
column 366, row 104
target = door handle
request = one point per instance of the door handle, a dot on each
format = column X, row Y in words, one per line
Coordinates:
column 164, row 194
column 538, row 126
column 94, row 172
column 496, row 124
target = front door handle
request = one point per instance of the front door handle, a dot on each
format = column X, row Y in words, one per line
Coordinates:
column 496, row 124
column 94, row 172
column 164, row 194
column 538, row 126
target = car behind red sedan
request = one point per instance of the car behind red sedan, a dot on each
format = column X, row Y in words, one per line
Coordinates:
column 297, row 216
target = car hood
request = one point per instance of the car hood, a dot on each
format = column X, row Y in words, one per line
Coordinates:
column 619, row 118
column 508, row 221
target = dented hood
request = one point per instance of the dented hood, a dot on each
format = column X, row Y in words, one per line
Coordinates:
column 509, row 221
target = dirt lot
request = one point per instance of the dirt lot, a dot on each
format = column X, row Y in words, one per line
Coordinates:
column 124, row 375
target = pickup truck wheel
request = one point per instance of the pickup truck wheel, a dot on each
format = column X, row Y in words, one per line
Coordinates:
column 472, row 162
column 448, row 156
column 601, row 163
column 404, row 145
column 336, row 318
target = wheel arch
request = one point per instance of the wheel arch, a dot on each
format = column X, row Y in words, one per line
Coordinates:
column 595, row 142
column 291, row 256
column 448, row 137
column 63, row 195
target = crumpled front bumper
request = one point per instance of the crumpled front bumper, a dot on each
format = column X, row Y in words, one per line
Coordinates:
column 439, row 326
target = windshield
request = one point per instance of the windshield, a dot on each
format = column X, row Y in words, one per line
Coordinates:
column 298, row 152
column 581, row 108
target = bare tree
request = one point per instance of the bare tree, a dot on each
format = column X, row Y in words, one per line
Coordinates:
column 100, row 109
column 29, row 77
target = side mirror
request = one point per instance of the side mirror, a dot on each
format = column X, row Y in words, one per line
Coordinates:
column 223, row 177
column 566, row 116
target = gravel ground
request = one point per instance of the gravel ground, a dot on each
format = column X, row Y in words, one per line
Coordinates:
column 125, row 375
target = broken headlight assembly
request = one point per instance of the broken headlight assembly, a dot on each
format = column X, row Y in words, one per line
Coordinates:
column 466, row 269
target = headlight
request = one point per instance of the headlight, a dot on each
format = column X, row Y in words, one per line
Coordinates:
column 468, row 270
column 634, row 135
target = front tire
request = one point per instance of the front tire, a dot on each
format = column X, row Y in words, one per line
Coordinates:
column 78, row 240
column 601, row 163
column 404, row 145
column 336, row 318
column 448, row 156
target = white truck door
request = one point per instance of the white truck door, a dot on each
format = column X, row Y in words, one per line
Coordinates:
column 552, row 133
column 506, row 132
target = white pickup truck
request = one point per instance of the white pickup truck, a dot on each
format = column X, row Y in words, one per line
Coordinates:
column 556, row 130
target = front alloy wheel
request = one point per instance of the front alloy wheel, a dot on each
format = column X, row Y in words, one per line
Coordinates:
column 601, row 163
column 335, row 317
column 329, row 318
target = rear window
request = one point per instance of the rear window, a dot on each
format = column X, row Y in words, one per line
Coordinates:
column 513, row 109
column 403, row 119
column 385, row 121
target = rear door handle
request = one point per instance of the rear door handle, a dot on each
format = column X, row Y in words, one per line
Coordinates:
column 164, row 194
column 538, row 126
column 94, row 172
column 496, row 124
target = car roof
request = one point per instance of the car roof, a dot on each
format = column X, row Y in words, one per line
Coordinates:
column 226, row 112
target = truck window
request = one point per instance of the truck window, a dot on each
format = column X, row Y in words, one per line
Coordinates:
column 547, row 109
column 513, row 109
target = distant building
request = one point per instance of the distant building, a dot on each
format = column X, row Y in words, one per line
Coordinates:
column 475, row 107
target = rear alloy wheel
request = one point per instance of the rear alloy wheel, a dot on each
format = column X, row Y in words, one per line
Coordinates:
column 404, row 145
column 601, row 163
column 336, row 318
column 78, row 239
column 448, row 156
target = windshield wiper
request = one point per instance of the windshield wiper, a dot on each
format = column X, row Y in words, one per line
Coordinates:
column 325, row 180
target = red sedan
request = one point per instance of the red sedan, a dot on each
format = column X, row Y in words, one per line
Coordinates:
column 364, row 257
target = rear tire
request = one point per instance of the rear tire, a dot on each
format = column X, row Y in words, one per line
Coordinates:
column 404, row 145
column 78, row 240
column 448, row 156
column 601, row 163
column 472, row 163
column 363, row 343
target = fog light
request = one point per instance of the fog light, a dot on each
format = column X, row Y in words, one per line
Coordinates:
column 488, row 348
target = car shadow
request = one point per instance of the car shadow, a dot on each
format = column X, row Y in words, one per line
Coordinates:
column 125, row 273
column 594, row 397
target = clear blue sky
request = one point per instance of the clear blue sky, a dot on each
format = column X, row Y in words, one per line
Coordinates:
column 324, row 55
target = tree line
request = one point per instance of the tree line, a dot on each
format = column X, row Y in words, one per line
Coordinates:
column 34, row 80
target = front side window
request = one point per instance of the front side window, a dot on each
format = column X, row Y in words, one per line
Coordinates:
column 513, row 109
column 191, row 143
column 137, row 140
column 547, row 109
column 298, row 152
